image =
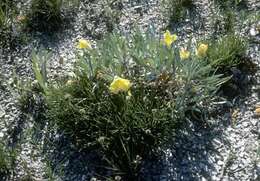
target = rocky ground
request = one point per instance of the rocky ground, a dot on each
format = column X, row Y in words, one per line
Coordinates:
column 225, row 151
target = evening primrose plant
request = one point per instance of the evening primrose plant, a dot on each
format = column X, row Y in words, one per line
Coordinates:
column 128, row 96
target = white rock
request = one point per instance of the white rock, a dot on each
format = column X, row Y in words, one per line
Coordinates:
column 220, row 162
column 2, row 112
column 253, row 32
column 245, row 124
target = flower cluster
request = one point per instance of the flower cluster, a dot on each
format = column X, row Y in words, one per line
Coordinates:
column 169, row 39
column 123, row 85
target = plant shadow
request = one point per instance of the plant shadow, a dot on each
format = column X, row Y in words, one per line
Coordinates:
column 189, row 155
column 69, row 163
column 192, row 153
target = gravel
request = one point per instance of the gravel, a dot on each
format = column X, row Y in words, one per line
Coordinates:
column 225, row 151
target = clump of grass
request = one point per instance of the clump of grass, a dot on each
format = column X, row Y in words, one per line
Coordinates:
column 11, row 25
column 7, row 13
column 230, row 12
column 228, row 56
column 125, row 127
column 227, row 51
column 230, row 3
column 47, row 14
column 177, row 9
column 102, row 17
column 112, row 13
column 4, row 168
column 7, row 162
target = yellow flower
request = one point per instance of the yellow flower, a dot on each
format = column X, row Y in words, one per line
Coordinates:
column 82, row 44
column 69, row 82
column 257, row 111
column 184, row 54
column 234, row 114
column 21, row 18
column 169, row 38
column 120, row 84
column 129, row 94
column 202, row 50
